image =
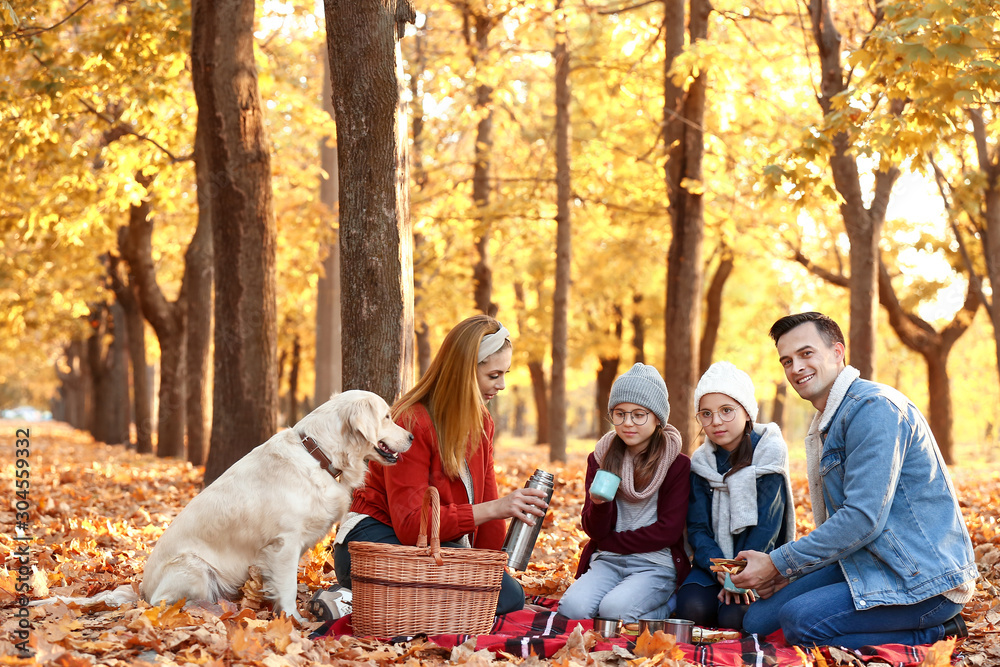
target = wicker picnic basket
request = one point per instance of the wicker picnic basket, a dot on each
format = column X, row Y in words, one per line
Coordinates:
column 403, row 590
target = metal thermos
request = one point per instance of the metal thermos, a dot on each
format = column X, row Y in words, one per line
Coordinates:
column 520, row 540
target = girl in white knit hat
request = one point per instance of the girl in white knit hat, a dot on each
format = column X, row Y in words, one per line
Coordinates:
column 741, row 496
column 635, row 558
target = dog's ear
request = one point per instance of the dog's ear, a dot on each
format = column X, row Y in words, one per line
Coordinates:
column 366, row 418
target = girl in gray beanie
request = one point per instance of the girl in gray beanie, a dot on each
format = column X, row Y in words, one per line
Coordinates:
column 741, row 495
column 635, row 558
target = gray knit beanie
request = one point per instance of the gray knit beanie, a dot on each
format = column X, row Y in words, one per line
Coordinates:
column 642, row 385
column 724, row 378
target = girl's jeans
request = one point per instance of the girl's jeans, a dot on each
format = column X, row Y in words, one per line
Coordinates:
column 624, row 586
column 372, row 530
column 817, row 609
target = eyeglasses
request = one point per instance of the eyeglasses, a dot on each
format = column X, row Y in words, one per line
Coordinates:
column 639, row 417
column 727, row 413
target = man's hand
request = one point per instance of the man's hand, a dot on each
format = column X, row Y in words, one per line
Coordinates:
column 759, row 574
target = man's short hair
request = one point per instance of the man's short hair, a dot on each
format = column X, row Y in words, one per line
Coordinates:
column 828, row 329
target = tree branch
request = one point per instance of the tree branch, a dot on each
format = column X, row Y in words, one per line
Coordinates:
column 120, row 129
column 22, row 32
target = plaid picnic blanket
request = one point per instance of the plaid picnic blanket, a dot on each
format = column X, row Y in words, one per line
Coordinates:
column 543, row 633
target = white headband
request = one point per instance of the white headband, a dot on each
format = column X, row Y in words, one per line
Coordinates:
column 491, row 343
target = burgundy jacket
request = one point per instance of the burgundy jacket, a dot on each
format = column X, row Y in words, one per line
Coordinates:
column 668, row 530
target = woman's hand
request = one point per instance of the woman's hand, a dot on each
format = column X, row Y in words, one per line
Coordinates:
column 522, row 504
column 597, row 500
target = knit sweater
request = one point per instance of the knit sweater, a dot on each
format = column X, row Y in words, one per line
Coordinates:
column 393, row 494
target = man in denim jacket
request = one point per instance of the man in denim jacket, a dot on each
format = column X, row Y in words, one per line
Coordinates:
column 890, row 560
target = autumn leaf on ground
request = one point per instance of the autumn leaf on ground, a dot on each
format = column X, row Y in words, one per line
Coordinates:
column 577, row 648
column 940, row 654
column 647, row 645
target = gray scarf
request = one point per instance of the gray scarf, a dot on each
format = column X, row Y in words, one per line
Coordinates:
column 627, row 487
column 734, row 499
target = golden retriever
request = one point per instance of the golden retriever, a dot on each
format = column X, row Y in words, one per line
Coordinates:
column 273, row 505
column 268, row 508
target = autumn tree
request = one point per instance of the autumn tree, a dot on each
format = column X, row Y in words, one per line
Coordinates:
column 952, row 124
column 375, row 237
column 237, row 147
column 921, row 336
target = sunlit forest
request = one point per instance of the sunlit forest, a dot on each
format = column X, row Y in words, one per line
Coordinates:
column 773, row 163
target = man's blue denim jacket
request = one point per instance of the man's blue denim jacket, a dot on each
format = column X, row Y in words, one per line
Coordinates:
column 895, row 525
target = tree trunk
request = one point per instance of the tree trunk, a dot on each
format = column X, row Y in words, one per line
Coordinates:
column 989, row 229
column 245, row 395
column 541, row 395
column 934, row 347
column 173, row 390
column 418, row 63
column 293, row 382
column 76, row 386
column 168, row 321
column 482, row 271
column 638, row 329
column 940, row 413
column 376, row 271
column 683, row 117
column 126, row 293
column 607, row 371
column 109, row 370
column 328, row 331
column 560, row 298
column 713, row 309
column 198, row 281
column 863, row 225
column 778, row 412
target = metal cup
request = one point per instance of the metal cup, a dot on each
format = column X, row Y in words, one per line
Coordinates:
column 651, row 625
column 680, row 628
column 609, row 628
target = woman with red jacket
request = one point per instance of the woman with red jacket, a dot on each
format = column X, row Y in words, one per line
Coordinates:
column 453, row 451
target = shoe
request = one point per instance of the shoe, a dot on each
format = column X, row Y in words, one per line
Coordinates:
column 955, row 627
column 330, row 604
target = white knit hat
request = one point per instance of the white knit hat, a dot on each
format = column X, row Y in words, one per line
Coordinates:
column 724, row 378
column 642, row 385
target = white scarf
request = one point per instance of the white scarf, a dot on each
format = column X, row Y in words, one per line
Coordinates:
column 814, row 443
column 626, row 489
column 734, row 499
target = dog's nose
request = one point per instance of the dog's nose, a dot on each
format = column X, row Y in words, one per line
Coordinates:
column 411, row 436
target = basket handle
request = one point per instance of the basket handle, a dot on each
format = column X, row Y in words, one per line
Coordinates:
column 431, row 506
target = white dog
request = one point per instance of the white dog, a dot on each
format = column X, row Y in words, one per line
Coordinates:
column 268, row 508
column 273, row 505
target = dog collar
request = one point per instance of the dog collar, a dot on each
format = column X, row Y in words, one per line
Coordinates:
column 324, row 461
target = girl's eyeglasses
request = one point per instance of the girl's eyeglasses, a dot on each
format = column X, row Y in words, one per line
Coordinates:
column 727, row 413
column 639, row 417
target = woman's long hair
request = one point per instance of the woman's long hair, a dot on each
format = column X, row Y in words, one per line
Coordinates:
column 742, row 456
column 645, row 463
column 450, row 392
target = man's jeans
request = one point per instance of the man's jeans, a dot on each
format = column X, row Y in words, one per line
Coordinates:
column 371, row 530
column 624, row 586
column 817, row 609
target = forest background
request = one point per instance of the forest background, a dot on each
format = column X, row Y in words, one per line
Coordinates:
column 625, row 181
